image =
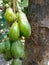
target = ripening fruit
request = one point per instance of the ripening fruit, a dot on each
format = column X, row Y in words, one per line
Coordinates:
column 17, row 49
column 16, row 62
column 9, row 15
column 14, row 31
column 25, row 28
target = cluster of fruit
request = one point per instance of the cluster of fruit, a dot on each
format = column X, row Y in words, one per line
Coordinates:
column 13, row 47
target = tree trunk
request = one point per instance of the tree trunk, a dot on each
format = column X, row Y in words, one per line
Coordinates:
column 37, row 46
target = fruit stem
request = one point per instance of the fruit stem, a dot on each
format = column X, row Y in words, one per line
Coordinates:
column 14, row 5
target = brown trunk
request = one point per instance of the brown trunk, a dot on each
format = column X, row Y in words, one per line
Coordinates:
column 37, row 46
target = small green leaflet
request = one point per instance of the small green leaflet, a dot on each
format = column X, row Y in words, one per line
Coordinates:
column 25, row 3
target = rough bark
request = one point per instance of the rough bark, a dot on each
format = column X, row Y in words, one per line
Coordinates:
column 37, row 46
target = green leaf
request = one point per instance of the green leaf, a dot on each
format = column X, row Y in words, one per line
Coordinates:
column 25, row 3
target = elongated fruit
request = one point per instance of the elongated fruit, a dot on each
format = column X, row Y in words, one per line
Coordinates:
column 9, row 15
column 2, row 47
column 25, row 28
column 7, row 46
column 16, row 62
column 14, row 31
column 7, row 55
column 17, row 49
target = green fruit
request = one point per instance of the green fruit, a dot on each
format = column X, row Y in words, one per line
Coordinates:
column 17, row 49
column 7, row 55
column 5, row 1
column 24, row 25
column 14, row 31
column 16, row 62
column 7, row 46
column 9, row 15
column 2, row 47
